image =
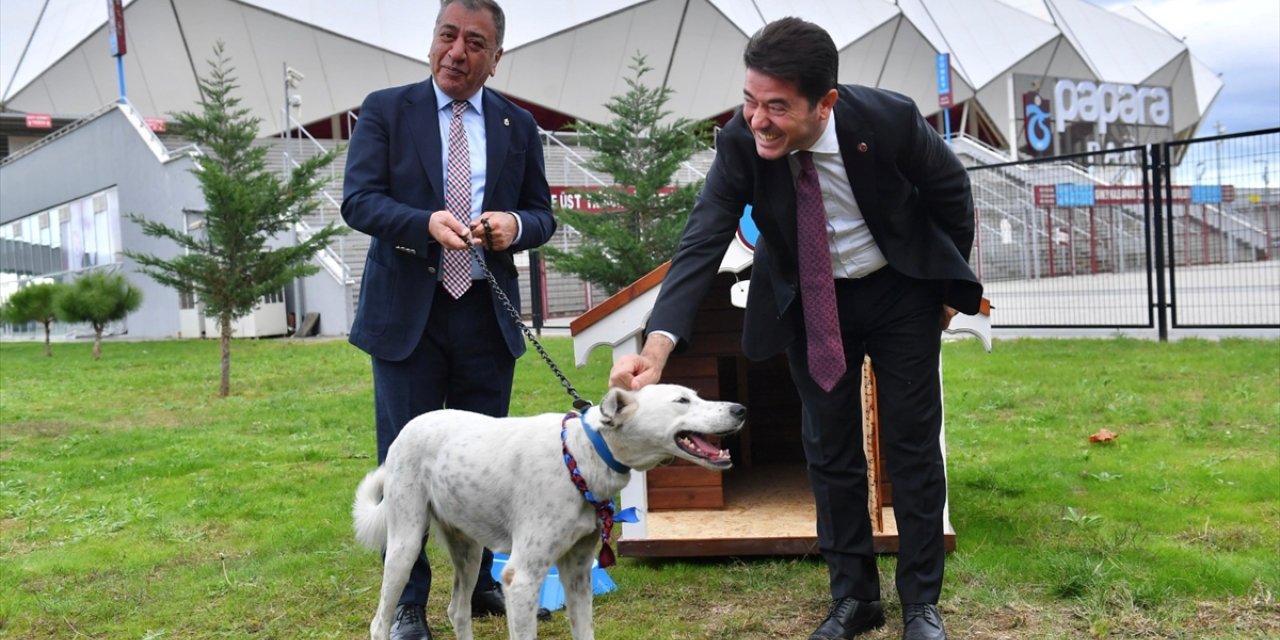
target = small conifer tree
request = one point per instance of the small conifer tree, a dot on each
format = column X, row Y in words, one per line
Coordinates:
column 642, row 213
column 33, row 303
column 98, row 298
column 230, row 265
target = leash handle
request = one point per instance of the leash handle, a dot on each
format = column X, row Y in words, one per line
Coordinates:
column 578, row 402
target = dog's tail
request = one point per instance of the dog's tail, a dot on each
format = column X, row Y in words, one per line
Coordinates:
column 367, row 514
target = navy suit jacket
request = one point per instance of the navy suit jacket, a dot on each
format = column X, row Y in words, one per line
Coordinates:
column 395, row 181
column 911, row 189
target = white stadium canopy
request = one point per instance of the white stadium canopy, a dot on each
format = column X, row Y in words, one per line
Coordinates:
column 572, row 56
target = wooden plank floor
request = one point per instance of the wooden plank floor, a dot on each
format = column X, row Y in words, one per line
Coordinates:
column 768, row 511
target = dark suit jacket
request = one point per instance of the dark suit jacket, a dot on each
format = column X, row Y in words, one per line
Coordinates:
column 395, row 181
column 911, row 189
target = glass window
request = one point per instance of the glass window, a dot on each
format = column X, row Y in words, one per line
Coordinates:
column 70, row 237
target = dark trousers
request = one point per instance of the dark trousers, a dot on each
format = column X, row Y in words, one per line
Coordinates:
column 895, row 320
column 462, row 362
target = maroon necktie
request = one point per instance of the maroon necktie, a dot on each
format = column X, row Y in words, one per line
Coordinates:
column 456, row 267
column 817, row 285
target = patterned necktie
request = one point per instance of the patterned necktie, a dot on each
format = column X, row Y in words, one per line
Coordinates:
column 817, row 285
column 456, row 264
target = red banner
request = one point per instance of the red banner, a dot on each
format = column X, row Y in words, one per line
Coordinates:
column 561, row 197
column 1046, row 195
column 566, row 198
column 115, row 27
column 39, row 121
column 156, row 124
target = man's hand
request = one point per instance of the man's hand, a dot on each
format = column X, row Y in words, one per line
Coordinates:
column 947, row 314
column 635, row 371
column 451, row 234
column 504, row 225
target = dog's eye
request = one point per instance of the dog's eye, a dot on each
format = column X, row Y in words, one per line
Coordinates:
column 683, row 400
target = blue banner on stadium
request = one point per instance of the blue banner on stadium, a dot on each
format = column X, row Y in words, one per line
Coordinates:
column 1206, row 194
column 1073, row 195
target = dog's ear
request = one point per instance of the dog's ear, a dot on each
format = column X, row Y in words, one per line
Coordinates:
column 617, row 407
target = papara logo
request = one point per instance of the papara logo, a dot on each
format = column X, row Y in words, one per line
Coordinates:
column 1036, row 110
column 1105, row 103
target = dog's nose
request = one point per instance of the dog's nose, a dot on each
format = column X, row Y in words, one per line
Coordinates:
column 738, row 411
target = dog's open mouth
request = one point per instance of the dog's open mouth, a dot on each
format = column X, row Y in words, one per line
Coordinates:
column 697, row 446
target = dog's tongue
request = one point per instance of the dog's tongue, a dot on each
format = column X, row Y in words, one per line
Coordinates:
column 704, row 448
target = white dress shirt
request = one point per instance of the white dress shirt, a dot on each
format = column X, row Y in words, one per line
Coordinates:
column 854, row 253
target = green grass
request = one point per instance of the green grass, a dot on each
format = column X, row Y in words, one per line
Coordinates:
column 136, row 504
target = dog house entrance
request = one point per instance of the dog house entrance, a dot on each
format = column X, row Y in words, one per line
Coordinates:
column 764, row 505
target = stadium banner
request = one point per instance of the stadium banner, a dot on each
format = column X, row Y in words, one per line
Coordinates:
column 115, row 27
column 1062, row 116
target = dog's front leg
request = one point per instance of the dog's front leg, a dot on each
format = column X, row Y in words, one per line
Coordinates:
column 575, row 576
column 522, row 582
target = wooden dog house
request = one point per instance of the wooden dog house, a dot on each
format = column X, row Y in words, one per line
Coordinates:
column 763, row 505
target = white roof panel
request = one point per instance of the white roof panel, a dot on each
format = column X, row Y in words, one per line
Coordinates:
column 46, row 36
column 743, row 14
column 985, row 37
column 1036, row 8
column 1208, row 85
column 573, row 55
column 1117, row 48
column 846, row 20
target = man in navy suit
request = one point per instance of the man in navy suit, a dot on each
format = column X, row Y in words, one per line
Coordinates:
column 431, row 346
column 894, row 219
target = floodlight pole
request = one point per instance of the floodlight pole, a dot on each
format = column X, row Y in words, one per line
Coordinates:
column 290, row 78
column 116, row 40
column 120, row 75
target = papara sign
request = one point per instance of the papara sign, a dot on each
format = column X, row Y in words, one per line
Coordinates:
column 1106, row 103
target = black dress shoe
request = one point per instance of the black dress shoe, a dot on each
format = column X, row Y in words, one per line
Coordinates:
column 922, row 622
column 491, row 602
column 849, row 617
column 410, row 623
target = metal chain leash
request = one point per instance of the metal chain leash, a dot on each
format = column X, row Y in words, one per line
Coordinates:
column 578, row 402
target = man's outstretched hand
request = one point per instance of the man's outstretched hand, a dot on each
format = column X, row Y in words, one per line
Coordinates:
column 638, row 370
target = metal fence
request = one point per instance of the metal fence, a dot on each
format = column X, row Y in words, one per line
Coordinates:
column 1181, row 234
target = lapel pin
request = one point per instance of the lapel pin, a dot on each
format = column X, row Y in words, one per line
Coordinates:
column 506, row 122
column 862, row 147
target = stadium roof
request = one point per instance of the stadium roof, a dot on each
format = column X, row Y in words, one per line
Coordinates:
column 571, row 56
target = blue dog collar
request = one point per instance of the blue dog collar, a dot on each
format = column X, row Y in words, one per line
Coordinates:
column 602, row 447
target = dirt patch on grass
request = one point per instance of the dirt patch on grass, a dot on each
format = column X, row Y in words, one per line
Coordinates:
column 38, row 429
column 740, row 619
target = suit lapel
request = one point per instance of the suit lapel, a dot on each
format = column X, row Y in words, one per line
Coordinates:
column 497, row 128
column 422, row 113
column 858, row 150
column 778, row 197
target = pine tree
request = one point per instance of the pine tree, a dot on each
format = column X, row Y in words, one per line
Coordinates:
column 643, row 214
column 230, row 266
column 98, row 298
column 33, row 303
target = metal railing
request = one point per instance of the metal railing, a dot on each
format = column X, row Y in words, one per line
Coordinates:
column 1058, row 246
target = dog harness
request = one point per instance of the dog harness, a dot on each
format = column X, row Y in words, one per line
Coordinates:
column 604, row 508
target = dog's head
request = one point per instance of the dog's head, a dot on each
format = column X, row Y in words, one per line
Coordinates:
column 648, row 427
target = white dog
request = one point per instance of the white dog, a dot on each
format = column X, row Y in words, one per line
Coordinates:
column 506, row 484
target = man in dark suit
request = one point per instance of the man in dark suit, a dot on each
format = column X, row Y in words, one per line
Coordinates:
column 428, row 162
column 858, row 171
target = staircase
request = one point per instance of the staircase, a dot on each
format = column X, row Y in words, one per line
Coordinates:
column 1020, row 241
column 344, row 259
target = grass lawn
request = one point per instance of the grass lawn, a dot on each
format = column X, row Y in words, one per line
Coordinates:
column 136, row 504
